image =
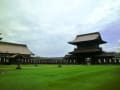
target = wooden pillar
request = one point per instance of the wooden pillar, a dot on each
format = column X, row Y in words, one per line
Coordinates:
column 24, row 60
column 37, row 61
column 66, row 61
column 31, row 61
column 70, row 61
column 101, row 60
column 40, row 61
column 4, row 60
column 114, row 60
column 104, row 60
column 27, row 60
column 107, row 61
column 119, row 61
column 76, row 60
column 73, row 61
column 21, row 60
column 0, row 60
column 7, row 60
column 98, row 60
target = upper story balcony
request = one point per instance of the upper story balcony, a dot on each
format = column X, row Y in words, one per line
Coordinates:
column 90, row 50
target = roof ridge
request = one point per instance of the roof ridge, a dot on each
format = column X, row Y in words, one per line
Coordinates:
column 13, row 43
column 88, row 34
column 88, row 37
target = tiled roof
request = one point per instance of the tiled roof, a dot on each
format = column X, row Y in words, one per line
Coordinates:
column 87, row 37
column 7, row 47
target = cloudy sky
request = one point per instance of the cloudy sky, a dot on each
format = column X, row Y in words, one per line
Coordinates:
column 47, row 25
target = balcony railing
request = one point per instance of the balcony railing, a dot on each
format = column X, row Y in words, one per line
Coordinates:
column 86, row 50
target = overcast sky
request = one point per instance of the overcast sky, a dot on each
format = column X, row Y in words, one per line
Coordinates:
column 47, row 25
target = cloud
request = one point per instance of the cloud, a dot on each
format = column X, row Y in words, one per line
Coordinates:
column 47, row 25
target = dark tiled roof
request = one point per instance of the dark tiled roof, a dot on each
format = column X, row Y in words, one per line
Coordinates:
column 87, row 37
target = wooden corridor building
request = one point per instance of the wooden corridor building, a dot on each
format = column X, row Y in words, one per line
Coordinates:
column 11, row 53
column 88, row 51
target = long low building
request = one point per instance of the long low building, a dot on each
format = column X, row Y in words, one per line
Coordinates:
column 11, row 53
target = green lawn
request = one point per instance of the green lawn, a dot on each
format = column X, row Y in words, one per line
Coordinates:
column 50, row 77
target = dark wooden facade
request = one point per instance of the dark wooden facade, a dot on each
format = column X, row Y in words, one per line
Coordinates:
column 45, row 60
column 88, row 51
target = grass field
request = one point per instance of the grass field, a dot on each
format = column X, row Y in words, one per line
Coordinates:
column 50, row 77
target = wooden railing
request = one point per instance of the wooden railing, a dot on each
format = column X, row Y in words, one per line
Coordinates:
column 87, row 50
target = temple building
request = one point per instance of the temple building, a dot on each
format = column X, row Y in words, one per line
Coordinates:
column 10, row 53
column 88, row 51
